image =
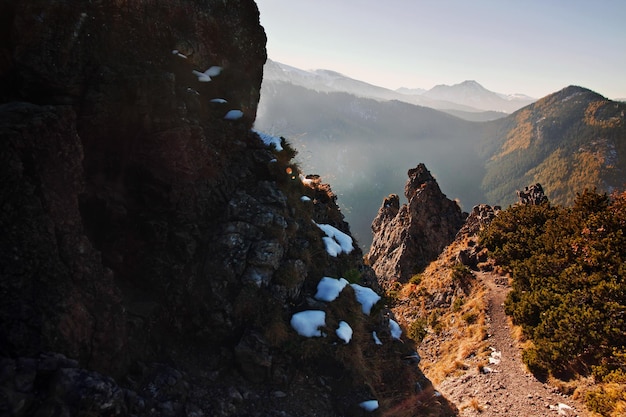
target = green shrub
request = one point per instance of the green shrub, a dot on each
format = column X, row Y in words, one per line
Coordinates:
column 417, row 330
column 353, row 276
column 470, row 317
column 461, row 272
column 434, row 321
column 568, row 288
column 416, row 279
column 535, row 364
column 604, row 400
column 457, row 304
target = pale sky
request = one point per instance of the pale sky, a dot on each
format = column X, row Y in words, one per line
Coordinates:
column 534, row 47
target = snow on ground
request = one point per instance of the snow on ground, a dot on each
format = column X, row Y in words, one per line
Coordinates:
column 336, row 241
column 205, row 76
column 307, row 323
column 395, row 329
column 332, row 247
column 344, row 332
column 213, row 71
column 578, row 93
column 367, row 297
column 309, row 182
column 233, row 115
column 202, row 77
column 495, row 357
column 329, row 288
column 177, row 53
column 370, row 405
column 269, row 140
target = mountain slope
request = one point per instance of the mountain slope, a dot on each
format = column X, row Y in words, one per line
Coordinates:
column 570, row 140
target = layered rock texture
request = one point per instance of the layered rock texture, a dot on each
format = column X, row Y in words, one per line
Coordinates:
column 153, row 251
column 408, row 238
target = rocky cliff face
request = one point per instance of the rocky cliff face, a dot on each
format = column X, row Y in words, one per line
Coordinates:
column 115, row 162
column 408, row 238
column 154, row 249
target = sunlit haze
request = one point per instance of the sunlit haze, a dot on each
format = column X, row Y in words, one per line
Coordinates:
column 531, row 47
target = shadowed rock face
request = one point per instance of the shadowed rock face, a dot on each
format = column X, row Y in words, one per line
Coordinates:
column 408, row 237
column 115, row 166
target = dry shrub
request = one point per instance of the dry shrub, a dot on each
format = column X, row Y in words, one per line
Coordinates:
column 472, row 343
column 467, row 340
column 447, row 365
column 608, row 400
column 276, row 333
column 473, row 404
column 517, row 333
column 574, row 387
column 407, row 290
column 480, row 367
column 619, row 409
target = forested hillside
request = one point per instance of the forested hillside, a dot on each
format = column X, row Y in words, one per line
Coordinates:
column 570, row 140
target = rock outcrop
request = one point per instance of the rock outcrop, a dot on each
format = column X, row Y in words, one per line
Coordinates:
column 532, row 195
column 470, row 253
column 408, row 237
column 154, row 249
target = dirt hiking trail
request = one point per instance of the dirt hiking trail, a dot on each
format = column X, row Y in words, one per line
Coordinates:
column 505, row 387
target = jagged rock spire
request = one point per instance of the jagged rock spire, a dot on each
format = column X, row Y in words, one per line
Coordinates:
column 407, row 238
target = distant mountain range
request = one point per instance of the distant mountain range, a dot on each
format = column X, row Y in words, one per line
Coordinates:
column 472, row 94
column 468, row 96
column 363, row 146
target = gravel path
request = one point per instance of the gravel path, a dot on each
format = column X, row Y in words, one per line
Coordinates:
column 504, row 388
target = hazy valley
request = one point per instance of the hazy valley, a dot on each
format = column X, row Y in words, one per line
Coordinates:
column 363, row 139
